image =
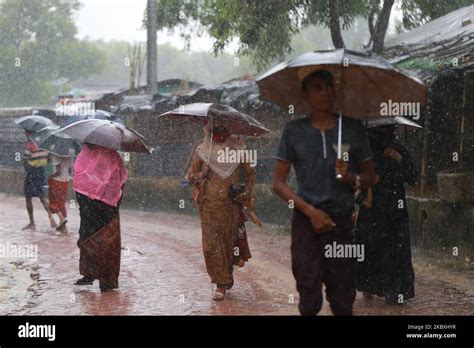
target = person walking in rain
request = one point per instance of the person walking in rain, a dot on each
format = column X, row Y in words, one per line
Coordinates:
column 99, row 176
column 323, row 204
column 58, row 184
column 34, row 162
column 382, row 223
column 214, row 181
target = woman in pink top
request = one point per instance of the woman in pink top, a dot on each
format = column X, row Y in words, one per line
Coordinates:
column 99, row 176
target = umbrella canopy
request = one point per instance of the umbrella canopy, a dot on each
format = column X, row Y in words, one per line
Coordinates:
column 108, row 134
column 237, row 122
column 362, row 83
column 97, row 114
column 386, row 121
column 33, row 123
column 57, row 143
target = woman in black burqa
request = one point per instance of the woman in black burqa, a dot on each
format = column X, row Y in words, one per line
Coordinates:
column 382, row 225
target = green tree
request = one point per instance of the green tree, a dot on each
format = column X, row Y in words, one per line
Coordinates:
column 265, row 28
column 38, row 45
column 418, row 12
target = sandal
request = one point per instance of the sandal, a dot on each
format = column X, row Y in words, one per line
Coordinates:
column 105, row 287
column 61, row 225
column 219, row 294
column 84, row 281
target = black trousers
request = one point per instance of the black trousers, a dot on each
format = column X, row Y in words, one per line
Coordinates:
column 311, row 268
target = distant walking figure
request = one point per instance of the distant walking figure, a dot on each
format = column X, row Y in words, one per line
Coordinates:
column 58, row 184
column 34, row 162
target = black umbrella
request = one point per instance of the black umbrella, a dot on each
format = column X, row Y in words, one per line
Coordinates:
column 362, row 82
column 108, row 134
column 33, row 123
column 57, row 143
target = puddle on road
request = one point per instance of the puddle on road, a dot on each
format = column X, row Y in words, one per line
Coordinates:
column 17, row 280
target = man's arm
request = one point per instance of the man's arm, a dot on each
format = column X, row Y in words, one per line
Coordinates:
column 319, row 219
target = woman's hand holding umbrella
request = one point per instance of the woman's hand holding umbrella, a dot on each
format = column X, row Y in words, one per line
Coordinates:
column 243, row 197
column 393, row 154
column 201, row 176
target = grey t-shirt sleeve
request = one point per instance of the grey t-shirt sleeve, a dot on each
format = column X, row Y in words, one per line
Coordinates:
column 363, row 152
column 285, row 150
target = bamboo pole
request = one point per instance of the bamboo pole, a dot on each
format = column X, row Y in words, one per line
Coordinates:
column 463, row 118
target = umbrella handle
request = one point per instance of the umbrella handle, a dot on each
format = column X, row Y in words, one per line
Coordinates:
column 339, row 141
column 210, row 143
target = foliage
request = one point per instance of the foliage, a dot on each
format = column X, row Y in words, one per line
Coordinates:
column 38, row 45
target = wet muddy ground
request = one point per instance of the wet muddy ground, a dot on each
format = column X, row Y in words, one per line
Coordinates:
column 163, row 273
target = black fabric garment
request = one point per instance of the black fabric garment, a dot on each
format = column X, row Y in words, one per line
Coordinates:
column 99, row 241
column 387, row 269
column 311, row 268
column 94, row 215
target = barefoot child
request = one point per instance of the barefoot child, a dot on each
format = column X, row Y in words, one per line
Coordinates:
column 34, row 162
column 58, row 184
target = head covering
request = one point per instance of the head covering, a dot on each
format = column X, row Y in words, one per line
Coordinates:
column 99, row 174
column 209, row 150
column 381, row 137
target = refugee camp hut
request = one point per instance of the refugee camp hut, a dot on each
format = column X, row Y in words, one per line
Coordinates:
column 440, row 52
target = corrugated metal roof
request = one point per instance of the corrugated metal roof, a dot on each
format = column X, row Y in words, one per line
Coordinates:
column 457, row 24
column 444, row 43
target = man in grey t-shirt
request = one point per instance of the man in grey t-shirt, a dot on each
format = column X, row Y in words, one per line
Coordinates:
column 323, row 203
